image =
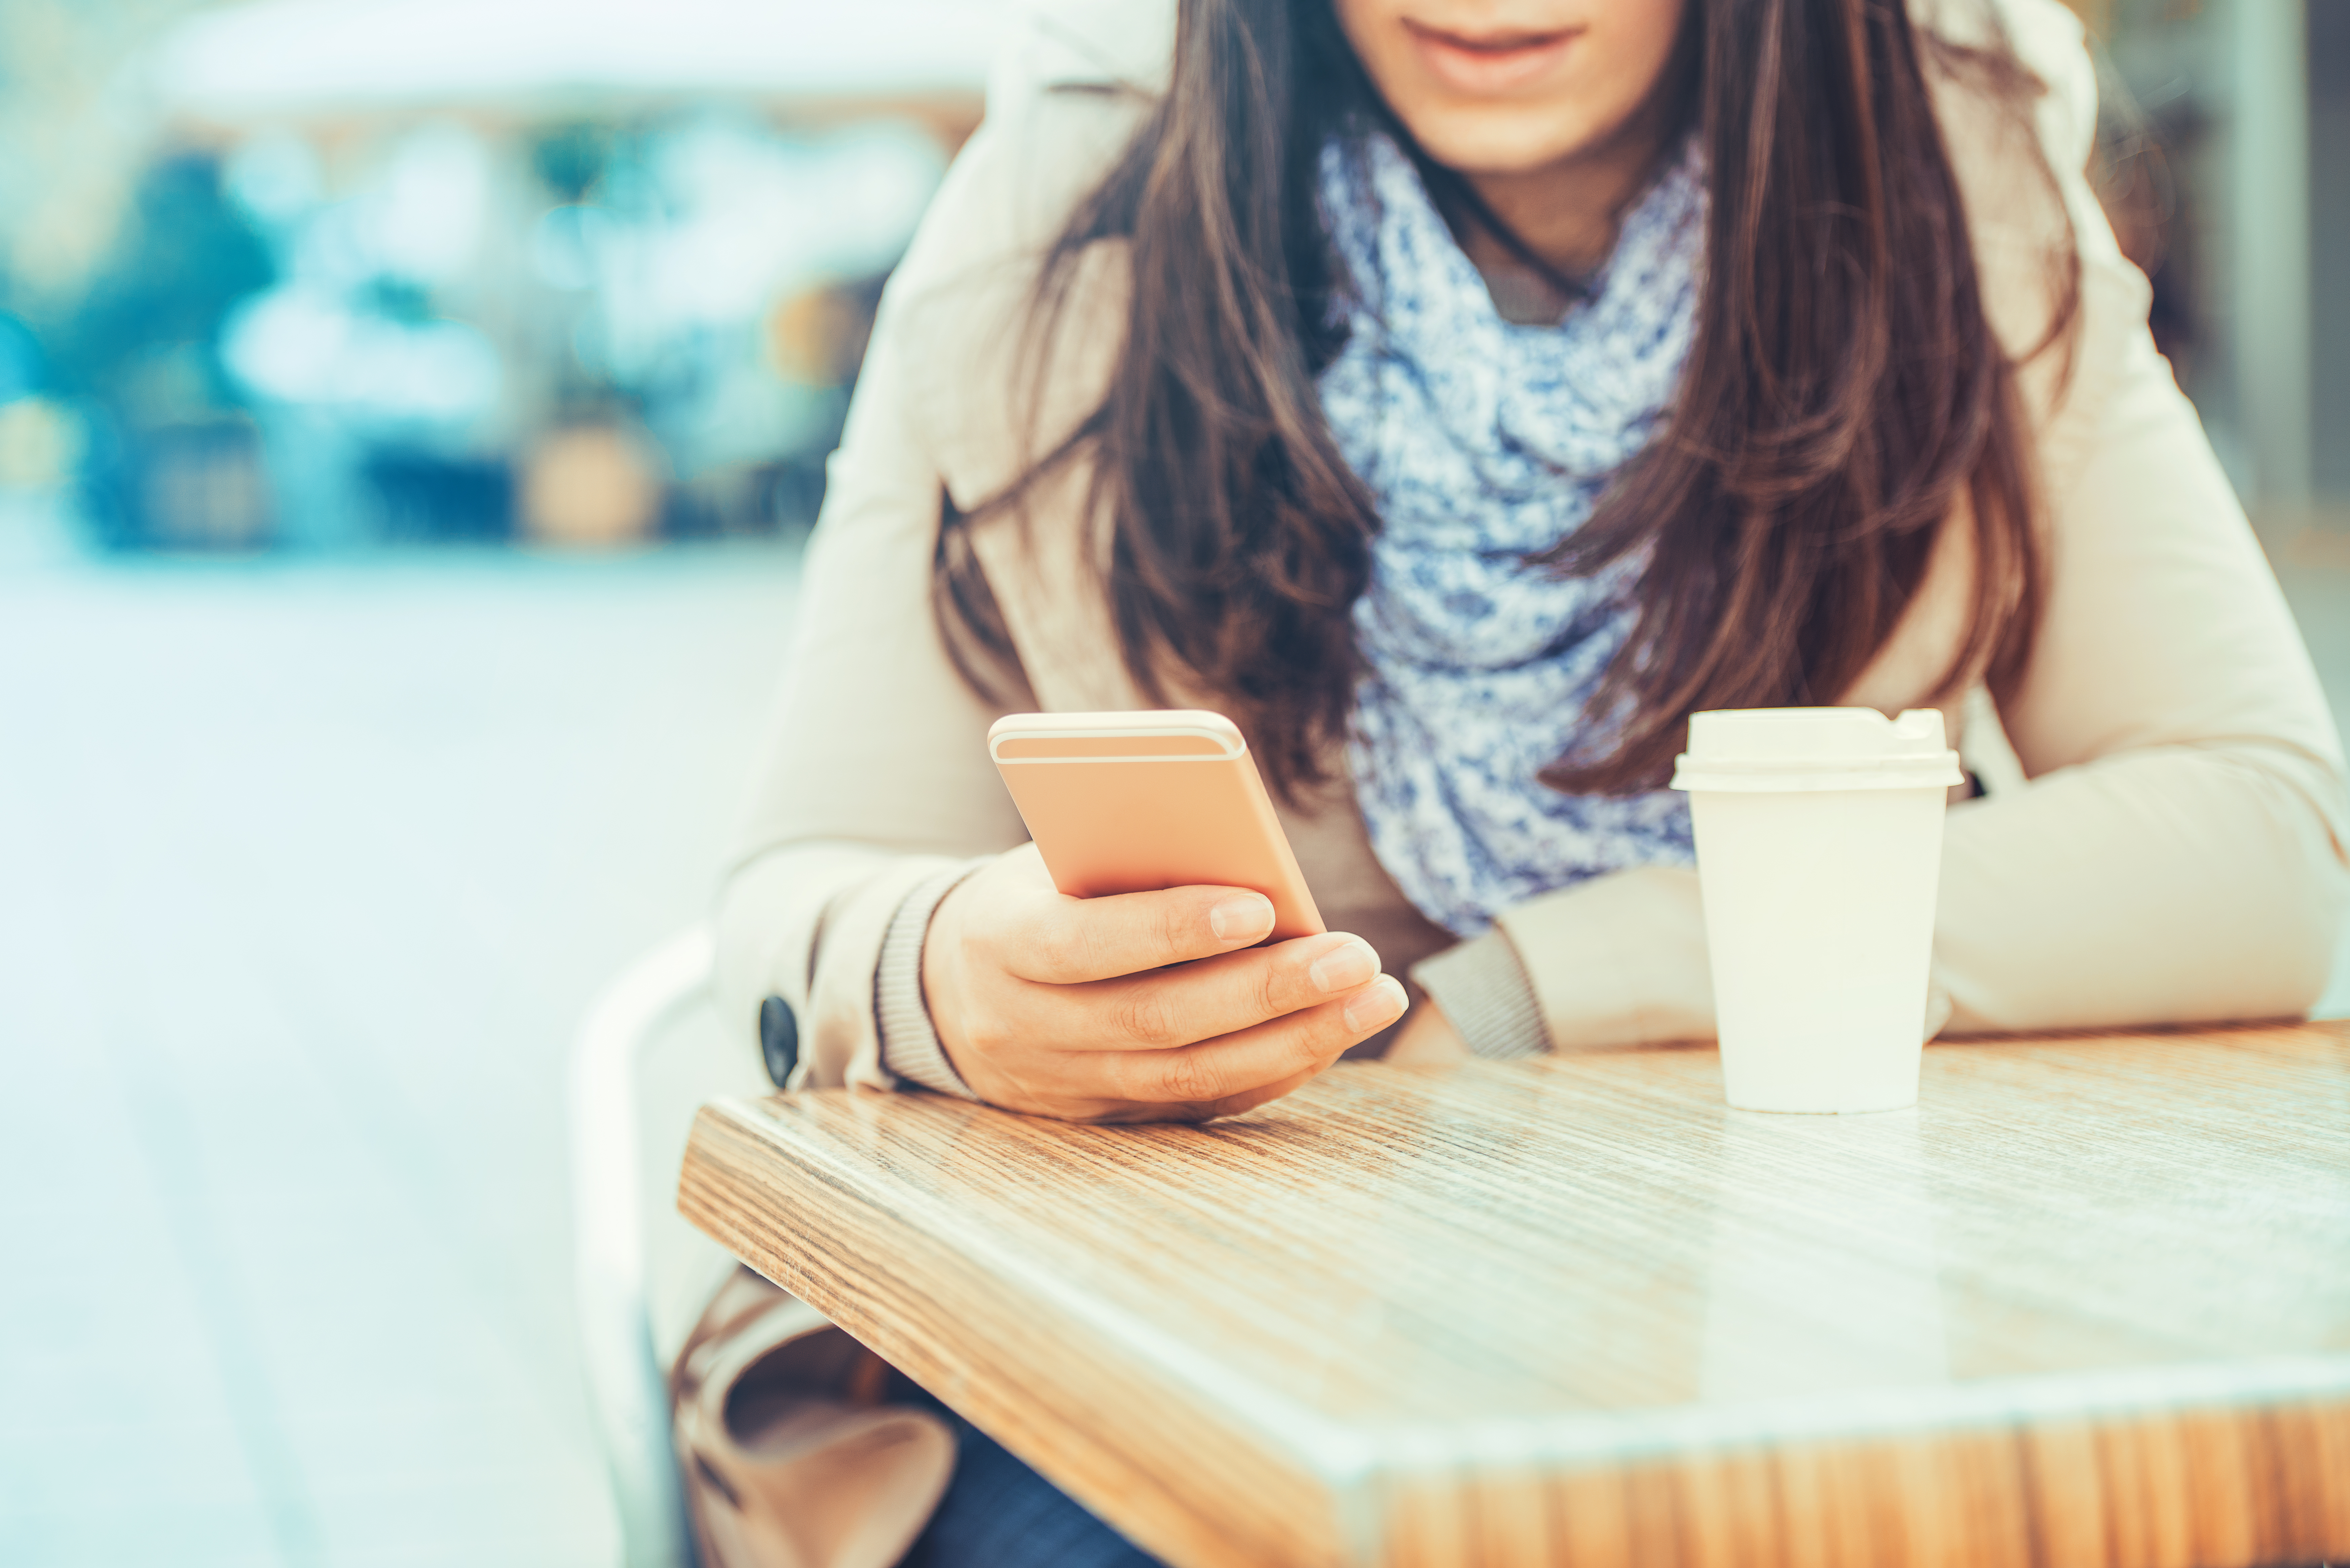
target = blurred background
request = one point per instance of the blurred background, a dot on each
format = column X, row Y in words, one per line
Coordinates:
column 410, row 412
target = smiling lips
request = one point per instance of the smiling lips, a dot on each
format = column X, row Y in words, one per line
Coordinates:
column 1489, row 63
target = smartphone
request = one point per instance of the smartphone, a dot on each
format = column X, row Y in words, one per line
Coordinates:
column 1132, row 803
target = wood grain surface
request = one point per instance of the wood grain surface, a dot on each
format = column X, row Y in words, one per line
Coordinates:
column 2088, row 1304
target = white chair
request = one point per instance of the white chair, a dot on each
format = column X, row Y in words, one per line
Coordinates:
column 647, row 1054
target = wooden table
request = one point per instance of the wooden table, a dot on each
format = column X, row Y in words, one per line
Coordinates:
column 2088, row 1306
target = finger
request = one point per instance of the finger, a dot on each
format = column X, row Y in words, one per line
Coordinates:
column 1231, row 1105
column 1061, row 941
column 1211, row 997
column 1234, row 1104
column 1232, row 1064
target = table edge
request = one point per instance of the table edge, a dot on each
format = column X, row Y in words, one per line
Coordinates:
column 1369, row 1479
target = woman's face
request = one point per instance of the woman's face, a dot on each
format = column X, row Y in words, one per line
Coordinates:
column 1511, row 87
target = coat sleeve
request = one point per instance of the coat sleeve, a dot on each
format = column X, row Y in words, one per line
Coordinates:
column 878, row 776
column 2178, row 854
column 876, row 773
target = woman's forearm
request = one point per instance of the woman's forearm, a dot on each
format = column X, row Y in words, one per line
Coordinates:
column 2170, row 885
column 806, row 922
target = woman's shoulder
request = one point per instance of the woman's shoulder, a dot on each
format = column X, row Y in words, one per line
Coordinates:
column 1083, row 46
column 2020, row 148
column 2019, row 141
column 1067, row 94
column 2048, row 42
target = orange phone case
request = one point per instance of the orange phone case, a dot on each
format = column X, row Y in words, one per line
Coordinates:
column 1132, row 803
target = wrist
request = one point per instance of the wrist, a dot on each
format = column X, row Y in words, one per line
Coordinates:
column 939, row 981
column 903, row 992
column 948, row 990
column 1487, row 1000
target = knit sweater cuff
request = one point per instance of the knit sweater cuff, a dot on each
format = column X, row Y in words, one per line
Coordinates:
column 1482, row 988
column 909, row 1043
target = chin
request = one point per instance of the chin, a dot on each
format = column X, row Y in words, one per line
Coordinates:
column 1488, row 143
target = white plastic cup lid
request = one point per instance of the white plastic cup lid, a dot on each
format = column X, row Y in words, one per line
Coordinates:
column 1762, row 750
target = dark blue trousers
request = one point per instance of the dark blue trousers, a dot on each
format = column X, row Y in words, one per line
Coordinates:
column 999, row 1513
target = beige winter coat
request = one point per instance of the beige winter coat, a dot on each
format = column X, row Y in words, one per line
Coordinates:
column 2177, row 852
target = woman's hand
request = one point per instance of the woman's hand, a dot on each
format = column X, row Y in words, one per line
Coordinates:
column 1067, row 1007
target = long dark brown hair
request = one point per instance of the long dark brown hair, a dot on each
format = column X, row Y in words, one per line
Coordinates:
column 1844, row 397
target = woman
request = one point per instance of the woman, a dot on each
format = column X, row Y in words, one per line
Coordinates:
column 1460, row 393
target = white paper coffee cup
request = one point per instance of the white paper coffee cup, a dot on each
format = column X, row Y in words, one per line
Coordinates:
column 1819, row 851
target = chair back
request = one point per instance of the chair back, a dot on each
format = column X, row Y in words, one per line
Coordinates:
column 647, row 1054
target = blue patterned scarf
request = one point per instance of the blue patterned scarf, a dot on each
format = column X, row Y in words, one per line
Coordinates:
column 1484, row 443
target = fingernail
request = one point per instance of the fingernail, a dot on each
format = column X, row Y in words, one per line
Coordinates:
column 1248, row 918
column 1344, row 968
column 1376, row 1008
